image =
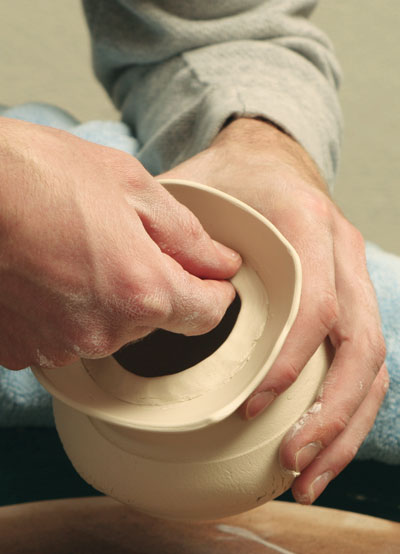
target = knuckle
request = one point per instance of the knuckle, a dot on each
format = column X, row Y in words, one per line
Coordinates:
column 192, row 227
column 154, row 305
column 151, row 307
column 329, row 310
column 289, row 372
column 208, row 322
column 129, row 170
column 143, row 297
column 202, row 320
column 323, row 207
column 348, row 453
column 58, row 359
column 207, row 314
column 380, row 349
column 357, row 237
column 339, row 424
column 375, row 345
column 318, row 204
column 385, row 384
column 385, row 380
column 216, row 312
column 94, row 341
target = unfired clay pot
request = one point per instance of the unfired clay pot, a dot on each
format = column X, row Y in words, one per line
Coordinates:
column 173, row 445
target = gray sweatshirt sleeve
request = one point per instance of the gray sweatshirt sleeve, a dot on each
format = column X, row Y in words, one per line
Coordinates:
column 178, row 70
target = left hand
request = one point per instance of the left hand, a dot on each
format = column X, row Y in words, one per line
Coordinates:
column 262, row 166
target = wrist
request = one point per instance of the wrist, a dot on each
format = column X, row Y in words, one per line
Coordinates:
column 250, row 131
column 253, row 139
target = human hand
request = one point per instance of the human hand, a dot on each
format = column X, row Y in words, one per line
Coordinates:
column 262, row 166
column 95, row 253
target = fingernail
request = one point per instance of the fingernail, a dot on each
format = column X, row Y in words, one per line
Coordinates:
column 319, row 484
column 228, row 252
column 258, row 403
column 306, row 455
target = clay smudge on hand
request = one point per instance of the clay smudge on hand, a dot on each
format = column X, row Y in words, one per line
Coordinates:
column 44, row 362
column 298, row 426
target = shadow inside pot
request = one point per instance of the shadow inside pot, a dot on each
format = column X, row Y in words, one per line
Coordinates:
column 165, row 353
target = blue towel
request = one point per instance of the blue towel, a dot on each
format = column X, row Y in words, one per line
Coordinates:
column 23, row 402
column 383, row 442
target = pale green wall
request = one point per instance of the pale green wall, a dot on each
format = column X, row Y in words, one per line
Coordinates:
column 367, row 41
column 44, row 49
column 45, row 56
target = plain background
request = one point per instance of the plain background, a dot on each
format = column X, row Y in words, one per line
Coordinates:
column 45, row 56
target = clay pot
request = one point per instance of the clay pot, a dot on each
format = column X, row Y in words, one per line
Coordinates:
column 173, row 445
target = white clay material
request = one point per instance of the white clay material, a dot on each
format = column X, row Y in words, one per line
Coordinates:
column 174, row 446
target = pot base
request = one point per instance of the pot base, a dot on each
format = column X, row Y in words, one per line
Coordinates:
column 227, row 468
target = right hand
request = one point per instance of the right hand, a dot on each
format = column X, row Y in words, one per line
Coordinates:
column 267, row 169
column 95, row 253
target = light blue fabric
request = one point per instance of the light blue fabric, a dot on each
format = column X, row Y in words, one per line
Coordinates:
column 383, row 442
column 23, row 402
column 107, row 133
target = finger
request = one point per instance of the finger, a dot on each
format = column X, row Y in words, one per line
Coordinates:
column 316, row 317
column 180, row 235
column 175, row 300
column 332, row 460
column 360, row 353
column 342, row 394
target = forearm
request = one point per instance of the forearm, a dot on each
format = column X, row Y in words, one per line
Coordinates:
column 179, row 72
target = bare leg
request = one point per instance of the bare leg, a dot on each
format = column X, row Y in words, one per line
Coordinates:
column 104, row 526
